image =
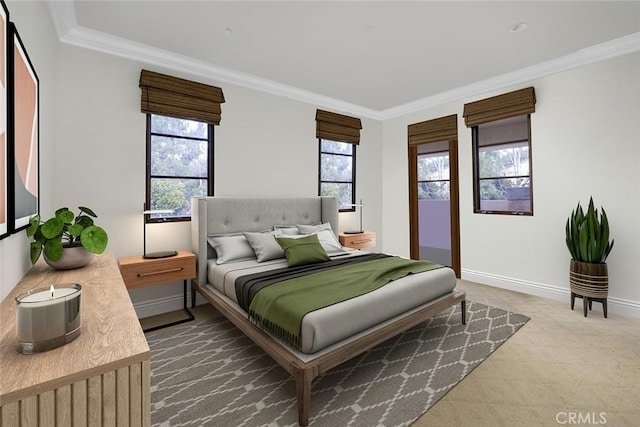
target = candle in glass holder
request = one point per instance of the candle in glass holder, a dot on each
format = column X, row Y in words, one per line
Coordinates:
column 47, row 318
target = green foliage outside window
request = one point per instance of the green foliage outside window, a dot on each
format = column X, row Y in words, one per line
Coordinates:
column 337, row 171
column 179, row 164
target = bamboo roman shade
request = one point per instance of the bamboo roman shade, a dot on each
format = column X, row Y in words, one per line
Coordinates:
column 440, row 129
column 500, row 107
column 337, row 127
column 179, row 98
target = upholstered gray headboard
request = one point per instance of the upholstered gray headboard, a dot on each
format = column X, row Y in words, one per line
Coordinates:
column 222, row 215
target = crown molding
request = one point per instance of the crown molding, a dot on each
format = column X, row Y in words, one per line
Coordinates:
column 611, row 49
column 70, row 32
column 63, row 14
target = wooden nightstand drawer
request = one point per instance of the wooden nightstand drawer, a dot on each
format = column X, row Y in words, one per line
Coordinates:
column 362, row 240
column 138, row 272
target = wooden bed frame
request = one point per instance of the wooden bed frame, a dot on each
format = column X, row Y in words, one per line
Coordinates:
column 303, row 368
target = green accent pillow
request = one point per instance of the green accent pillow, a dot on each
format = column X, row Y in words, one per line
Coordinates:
column 302, row 251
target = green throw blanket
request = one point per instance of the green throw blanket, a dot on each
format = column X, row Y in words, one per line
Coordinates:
column 280, row 307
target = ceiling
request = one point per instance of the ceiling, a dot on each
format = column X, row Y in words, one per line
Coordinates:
column 374, row 57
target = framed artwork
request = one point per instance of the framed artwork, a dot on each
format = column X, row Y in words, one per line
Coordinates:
column 4, row 103
column 24, row 131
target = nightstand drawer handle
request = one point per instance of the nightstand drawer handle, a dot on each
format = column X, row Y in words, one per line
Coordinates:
column 357, row 242
column 153, row 273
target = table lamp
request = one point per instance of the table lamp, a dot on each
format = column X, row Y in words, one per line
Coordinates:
column 360, row 230
column 153, row 255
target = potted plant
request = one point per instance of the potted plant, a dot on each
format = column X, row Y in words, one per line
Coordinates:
column 587, row 238
column 67, row 240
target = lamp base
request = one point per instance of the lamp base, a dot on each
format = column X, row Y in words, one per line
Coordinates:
column 163, row 254
column 354, row 232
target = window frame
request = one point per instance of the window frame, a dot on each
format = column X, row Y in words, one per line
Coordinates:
column 476, row 170
column 353, row 171
column 149, row 176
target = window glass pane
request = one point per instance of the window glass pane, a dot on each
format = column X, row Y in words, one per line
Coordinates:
column 335, row 168
column 178, row 157
column 433, row 190
column 180, row 127
column 175, row 194
column 498, row 161
column 510, row 189
column 433, row 167
column 327, row 146
column 342, row 191
column 510, row 195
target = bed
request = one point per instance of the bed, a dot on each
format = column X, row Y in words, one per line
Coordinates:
column 329, row 335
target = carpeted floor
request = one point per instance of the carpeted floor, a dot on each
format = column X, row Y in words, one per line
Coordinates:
column 209, row 373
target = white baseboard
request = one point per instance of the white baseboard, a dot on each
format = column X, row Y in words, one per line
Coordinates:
column 164, row 305
column 620, row 306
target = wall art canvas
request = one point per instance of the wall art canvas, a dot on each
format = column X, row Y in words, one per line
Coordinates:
column 25, row 136
column 4, row 102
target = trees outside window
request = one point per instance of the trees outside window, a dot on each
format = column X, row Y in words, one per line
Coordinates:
column 502, row 166
column 433, row 176
column 338, row 172
column 179, row 165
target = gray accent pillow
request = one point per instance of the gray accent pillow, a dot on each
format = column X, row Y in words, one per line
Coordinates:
column 231, row 248
column 265, row 246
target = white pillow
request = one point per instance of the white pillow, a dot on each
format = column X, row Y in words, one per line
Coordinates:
column 329, row 242
column 310, row 229
column 231, row 248
column 285, row 229
column 265, row 246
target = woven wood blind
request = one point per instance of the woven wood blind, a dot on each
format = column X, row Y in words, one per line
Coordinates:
column 440, row 129
column 179, row 98
column 337, row 127
column 500, row 107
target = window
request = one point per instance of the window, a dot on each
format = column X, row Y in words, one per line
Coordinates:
column 502, row 166
column 338, row 172
column 433, row 173
column 338, row 136
column 501, row 134
column 180, row 115
column 179, row 165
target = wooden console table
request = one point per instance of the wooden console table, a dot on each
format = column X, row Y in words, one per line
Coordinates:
column 100, row 378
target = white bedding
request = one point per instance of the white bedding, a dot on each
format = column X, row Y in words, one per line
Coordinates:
column 328, row 325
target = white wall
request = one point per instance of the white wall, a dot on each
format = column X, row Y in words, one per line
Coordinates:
column 38, row 35
column 584, row 142
column 93, row 140
column 265, row 146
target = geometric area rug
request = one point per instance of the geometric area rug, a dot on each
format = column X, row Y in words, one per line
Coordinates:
column 209, row 374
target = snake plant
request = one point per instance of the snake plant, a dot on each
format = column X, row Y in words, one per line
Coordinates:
column 587, row 235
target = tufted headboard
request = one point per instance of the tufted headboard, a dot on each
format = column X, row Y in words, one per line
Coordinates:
column 222, row 215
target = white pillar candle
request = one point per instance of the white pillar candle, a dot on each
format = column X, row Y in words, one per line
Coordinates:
column 47, row 314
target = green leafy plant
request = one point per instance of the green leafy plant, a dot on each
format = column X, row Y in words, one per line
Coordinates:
column 587, row 235
column 65, row 230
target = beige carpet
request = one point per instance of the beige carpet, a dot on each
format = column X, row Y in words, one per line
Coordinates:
column 558, row 365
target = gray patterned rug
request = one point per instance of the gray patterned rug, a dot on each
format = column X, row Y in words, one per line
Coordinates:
column 209, row 373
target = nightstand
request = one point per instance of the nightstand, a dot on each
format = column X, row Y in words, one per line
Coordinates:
column 366, row 239
column 139, row 272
